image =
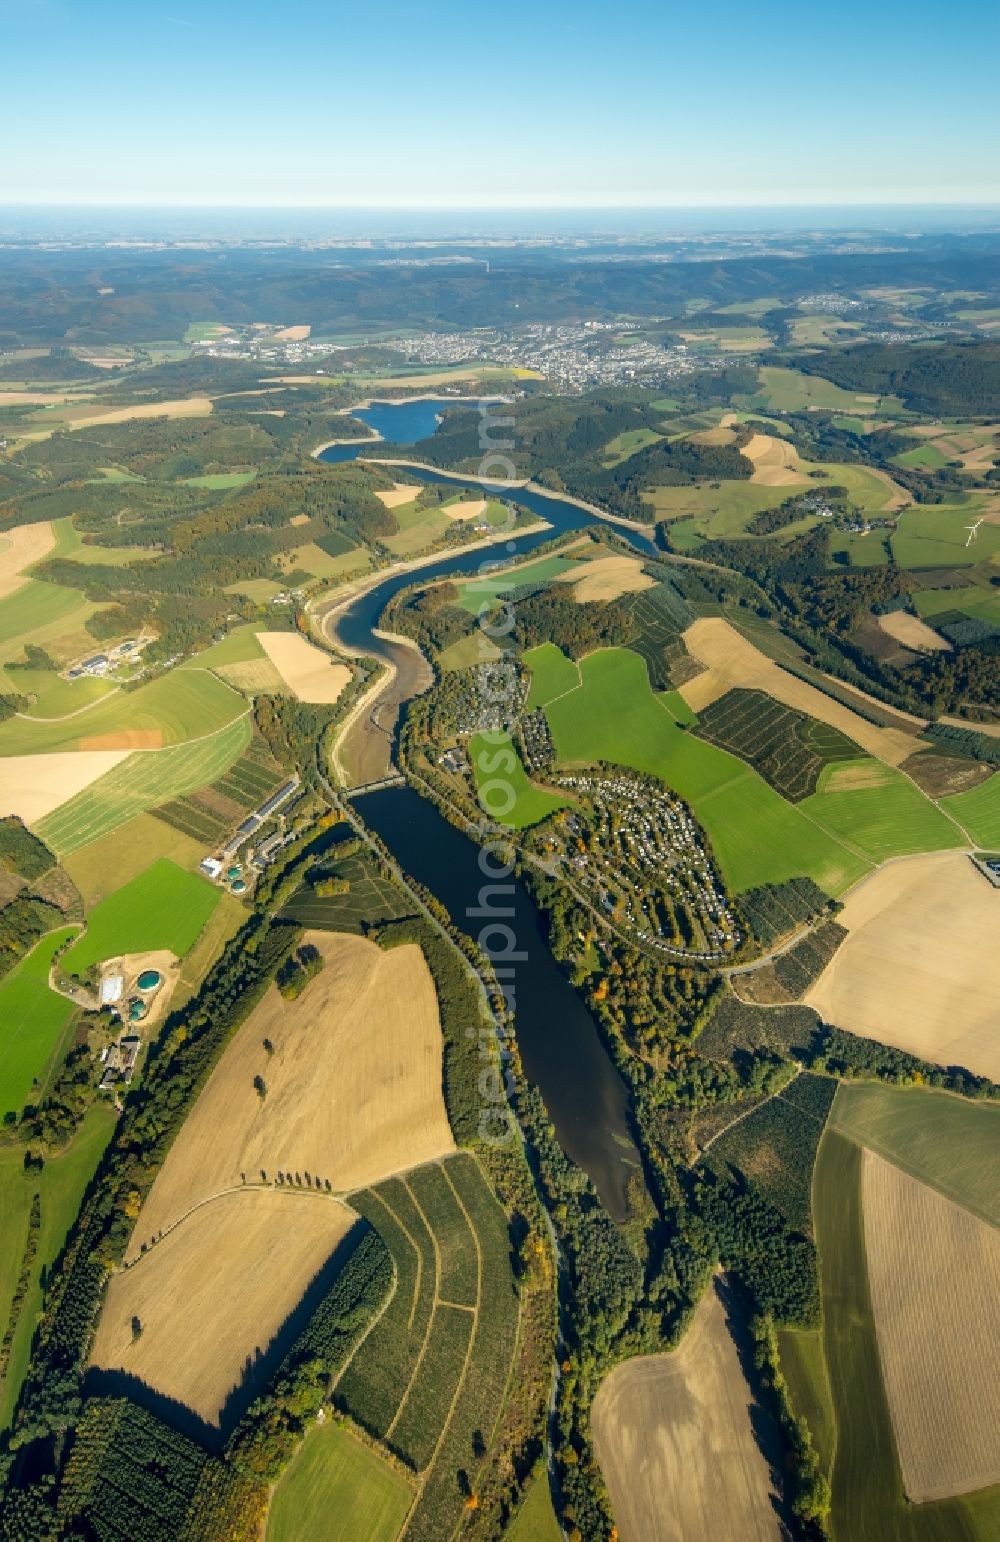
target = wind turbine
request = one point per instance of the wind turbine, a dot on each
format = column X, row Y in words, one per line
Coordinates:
column 972, row 531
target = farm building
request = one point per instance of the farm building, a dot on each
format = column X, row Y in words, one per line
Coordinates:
column 211, row 867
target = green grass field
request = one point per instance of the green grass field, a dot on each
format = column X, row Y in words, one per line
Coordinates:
column 104, row 865
column 804, row 1366
column 487, row 591
column 552, row 674
column 164, row 907
column 183, row 705
column 334, row 1482
column 868, row 1500
column 477, row 648
column 238, row 647
column 946, row 1141
column 60, row 1186
column 535, row 1521
column 936, row 536
column 55, row 695
column 925, row 457
column 757, row 837
column 141, row 782
column 979, row 812
column 893, row 820
column 978, row 598
column 33, row 1019
column 503, row 786
column 786, row 390
column 38, row 611
column 626, row 444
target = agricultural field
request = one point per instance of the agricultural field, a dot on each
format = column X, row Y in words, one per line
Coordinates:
column 173, row 709
column 787, row 390
column 605, row 578
column 35, row 1020
column 485, row 592
column 37, row 612
column 731, row 661
column 408, row 1384
column 139, row 782
column 117, row 858
column 936, row 536
column 934, row 1271
column 979, row 812
column 310, row 674
column 787, row 748
column 502, row 783
column 945, row 1141
column 552, row 674
column 352, row 1085
column 213, row 1290
column 334, row 1474
column 535, row 1521
column 211, row 813
column 803, row 1365
column 893, row 818
column 60, row 1187
column 34, row 786
column 477, row 648
column 913, row 972
column 368, row 899
column 673, row 1436
column 163, row 907
column 757, row 837
column 869, row 1504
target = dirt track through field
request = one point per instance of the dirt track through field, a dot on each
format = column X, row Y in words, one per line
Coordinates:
column 731, row 661
column 919, row 969
column 215, row 1290
column 352, row 1085
column 934, row 1273
column 674, row 1440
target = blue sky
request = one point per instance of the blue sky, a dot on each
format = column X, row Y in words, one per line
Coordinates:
column 525, row 102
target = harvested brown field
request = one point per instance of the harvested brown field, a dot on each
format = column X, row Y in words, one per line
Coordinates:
column 125, row 739
column 19, row 548
column 605, row 578
column 917, row 970
column 731, row 661
column 33, row 785
column 913, row 633
column 723, row 433
column 353, row 1085
column 775, row 461
column 299, row 519
column 934, row 1274
column 942, row 776
column 297, row 334
column 38, row 398
column 309, row 673
column 215, row 1290
column 673, row 1437
column 468, row 508
column 185, row 407
column 400, row 493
